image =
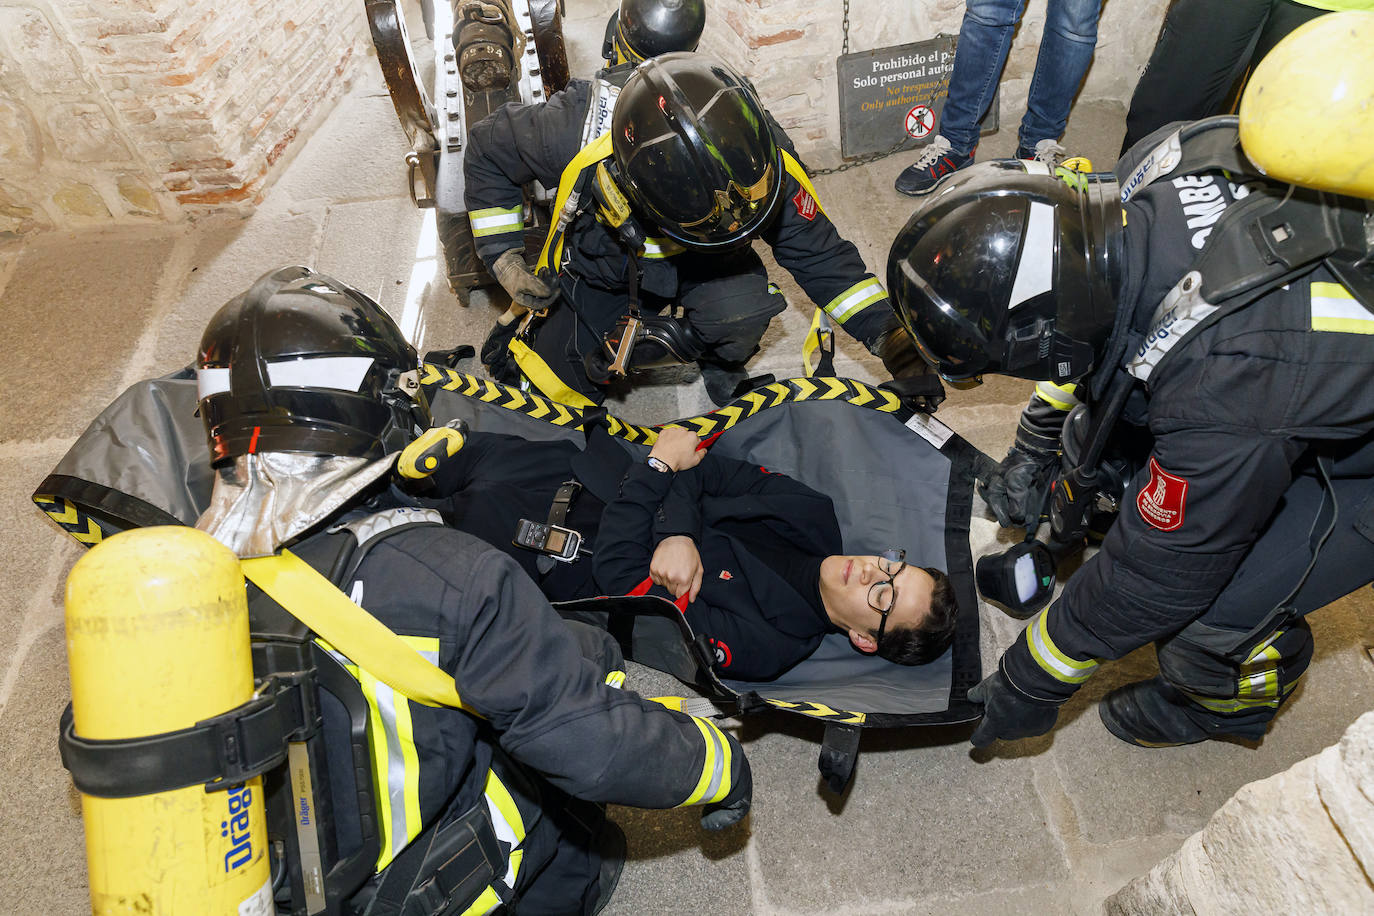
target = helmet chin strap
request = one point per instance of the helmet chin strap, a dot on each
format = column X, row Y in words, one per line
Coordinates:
column 264, row 500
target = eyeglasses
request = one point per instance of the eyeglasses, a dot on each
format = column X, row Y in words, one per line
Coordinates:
column 882, row 596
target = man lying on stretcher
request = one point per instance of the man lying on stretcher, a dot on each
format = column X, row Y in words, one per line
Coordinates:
column 752, row 556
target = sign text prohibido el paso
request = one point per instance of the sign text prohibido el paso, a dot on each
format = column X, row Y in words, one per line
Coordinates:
column 893, row 97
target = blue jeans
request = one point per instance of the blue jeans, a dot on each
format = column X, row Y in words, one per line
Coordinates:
column 1066, row 49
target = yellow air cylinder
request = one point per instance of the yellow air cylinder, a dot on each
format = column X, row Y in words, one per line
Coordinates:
column 157, row 640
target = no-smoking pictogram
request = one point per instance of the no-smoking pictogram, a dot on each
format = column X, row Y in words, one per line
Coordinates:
column 920, row 121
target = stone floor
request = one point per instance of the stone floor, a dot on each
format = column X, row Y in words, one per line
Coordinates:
column 1050, row 825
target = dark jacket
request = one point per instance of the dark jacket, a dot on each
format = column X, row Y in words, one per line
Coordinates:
column 761, row 624
column 1231, row 413
column 518, row 144
column 469, row 609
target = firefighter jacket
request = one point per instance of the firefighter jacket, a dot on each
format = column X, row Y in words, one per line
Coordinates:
column 1230, row 412
column 518, row 144
column 466, row 607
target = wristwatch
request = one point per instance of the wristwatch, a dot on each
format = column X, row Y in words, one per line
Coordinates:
column 658, row 464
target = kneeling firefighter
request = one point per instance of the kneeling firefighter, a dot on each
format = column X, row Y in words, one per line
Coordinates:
column 662, row 185
column 1223, row 319
column 308, row 391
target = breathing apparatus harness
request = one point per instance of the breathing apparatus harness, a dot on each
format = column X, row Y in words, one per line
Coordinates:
column 1262, row 242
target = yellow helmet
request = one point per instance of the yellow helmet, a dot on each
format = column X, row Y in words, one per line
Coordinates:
column 1307, row 114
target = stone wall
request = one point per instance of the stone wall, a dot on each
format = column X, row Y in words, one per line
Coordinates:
column 122, row 111
column 789, row 47
column 1298, row 842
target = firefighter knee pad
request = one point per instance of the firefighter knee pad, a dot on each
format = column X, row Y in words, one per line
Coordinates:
column 1248, row 673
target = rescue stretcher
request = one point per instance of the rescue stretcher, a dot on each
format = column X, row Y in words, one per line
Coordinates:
column 896, row 477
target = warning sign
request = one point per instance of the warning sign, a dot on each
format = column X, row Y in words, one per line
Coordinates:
column 892, row 96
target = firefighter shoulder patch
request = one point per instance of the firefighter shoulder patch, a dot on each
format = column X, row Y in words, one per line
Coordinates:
column 805, row 204
column 1162, row 500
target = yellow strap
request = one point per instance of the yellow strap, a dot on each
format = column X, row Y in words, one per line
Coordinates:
column 820, row 338
column 589, row 155
column 366, row 641
column 794, row 169
column 544, row 378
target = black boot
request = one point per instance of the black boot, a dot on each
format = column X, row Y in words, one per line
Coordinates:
column 610, row 844
column 722, row 380
column 1154, row 713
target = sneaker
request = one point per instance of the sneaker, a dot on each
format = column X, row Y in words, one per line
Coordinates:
column 1046, row 151
column 936, row 161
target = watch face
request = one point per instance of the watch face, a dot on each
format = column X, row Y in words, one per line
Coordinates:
column 658, row 464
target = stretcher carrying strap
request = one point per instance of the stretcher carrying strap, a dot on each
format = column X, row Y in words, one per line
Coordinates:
column 218, row 752
column 648, row 583
column 366, row 641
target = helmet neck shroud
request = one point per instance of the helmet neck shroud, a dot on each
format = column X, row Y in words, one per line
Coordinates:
column 1011, row 270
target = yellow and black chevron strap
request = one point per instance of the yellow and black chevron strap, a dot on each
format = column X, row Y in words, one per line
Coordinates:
column 850, row 391
column 71, row 519
column 818, row 711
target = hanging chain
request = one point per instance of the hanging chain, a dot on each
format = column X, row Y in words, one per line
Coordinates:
column 871, row 157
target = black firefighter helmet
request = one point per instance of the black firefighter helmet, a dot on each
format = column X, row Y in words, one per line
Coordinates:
column 303, row 363
column 646, row 28
column 694, row 152
column 1009, row 268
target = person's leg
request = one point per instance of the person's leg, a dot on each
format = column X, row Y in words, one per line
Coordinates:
column 1229, row 671
column 573, row 330
column 1284, row 17
column 1066, row 50
column 1202, row 50
column 984, row 40
column 730, row 311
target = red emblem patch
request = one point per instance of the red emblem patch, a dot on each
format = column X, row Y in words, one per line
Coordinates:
column 806, row 204
column 1161, row 501
column 725, row 574
column 722, row 652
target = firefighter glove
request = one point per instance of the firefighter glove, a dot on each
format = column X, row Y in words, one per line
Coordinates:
column 1016, row 490
column 913, row 379
column 526, row 290
column 1009, row 714
column 732, row 808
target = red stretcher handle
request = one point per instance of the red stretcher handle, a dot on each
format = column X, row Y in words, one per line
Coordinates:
column 643, row 588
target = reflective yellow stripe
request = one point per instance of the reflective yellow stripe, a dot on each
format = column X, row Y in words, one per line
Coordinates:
column 496, row 221
column 714, row 783
column 793, row 168
column 1061, row 397
column 656, row 249
column 1260, row 675
column 486, row 903
column 544, row 378
column 855, row 299
column 589, row 155
column 616, row 679
column 395, row 760
column 1047, row 655
column 1335, row 309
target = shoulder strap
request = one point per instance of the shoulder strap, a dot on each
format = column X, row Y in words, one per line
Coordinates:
column 572, row 195
column 319, row 604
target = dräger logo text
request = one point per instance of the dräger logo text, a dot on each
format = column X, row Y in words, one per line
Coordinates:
column 238, row 828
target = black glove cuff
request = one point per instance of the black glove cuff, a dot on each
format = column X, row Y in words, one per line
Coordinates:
column 1023, row 694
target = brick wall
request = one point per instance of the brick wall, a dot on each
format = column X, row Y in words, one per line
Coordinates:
column 789, row 47
column 119, row 111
